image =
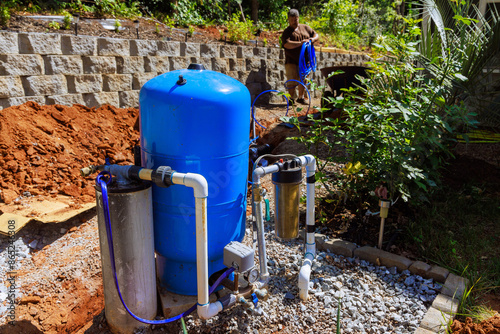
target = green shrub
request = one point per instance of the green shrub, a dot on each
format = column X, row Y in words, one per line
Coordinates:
column 4, row 16
column 54, row 25
column 67, row 21
column 400, row 127
column 238, row 30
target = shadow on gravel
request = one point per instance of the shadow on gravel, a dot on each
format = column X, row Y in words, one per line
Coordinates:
column 40, row 234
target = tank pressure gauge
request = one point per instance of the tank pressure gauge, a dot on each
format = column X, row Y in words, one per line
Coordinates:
column 252, row 276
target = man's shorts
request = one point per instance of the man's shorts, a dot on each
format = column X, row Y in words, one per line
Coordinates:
column 292, row 72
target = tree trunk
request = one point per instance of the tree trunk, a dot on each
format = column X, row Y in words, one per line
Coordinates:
column 255, row 11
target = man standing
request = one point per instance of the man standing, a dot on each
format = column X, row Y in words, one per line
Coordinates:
column 292, row 38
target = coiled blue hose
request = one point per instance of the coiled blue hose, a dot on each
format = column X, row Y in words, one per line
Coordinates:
column 307, row 64
column 103, row 179
column 253, row 104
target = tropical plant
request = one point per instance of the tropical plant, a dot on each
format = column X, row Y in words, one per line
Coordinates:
column 458, row 31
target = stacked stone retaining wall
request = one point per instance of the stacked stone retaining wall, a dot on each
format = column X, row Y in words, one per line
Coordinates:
column 66, row 69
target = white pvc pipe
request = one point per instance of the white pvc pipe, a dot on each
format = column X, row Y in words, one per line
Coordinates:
column 310, row 253
column 206, row 310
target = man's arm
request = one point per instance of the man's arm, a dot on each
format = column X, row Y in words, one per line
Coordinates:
column 293, row 44
column 315, row 38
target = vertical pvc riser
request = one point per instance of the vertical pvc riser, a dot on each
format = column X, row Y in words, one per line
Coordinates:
column 131, row 215
column 200, row 127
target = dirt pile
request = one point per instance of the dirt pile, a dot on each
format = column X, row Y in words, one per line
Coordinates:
column 489, row 326
column 43, row 148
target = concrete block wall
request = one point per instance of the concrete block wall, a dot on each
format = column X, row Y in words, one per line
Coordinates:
column 65, row 69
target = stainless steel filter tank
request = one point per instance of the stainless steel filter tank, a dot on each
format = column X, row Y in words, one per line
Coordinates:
column 131, row 215
column 286, row 201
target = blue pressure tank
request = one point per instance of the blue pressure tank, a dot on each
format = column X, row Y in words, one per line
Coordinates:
column 195, row 121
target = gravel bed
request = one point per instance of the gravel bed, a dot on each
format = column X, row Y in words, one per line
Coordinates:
column 373, row 299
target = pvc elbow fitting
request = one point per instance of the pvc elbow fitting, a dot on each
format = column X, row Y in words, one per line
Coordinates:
column 192, row 180
column 209, row 310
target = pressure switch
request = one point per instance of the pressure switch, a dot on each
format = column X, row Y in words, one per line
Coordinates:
column 239, row 256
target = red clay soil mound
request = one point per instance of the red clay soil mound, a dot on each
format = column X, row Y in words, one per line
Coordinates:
column 489, row 326
column 43, row 148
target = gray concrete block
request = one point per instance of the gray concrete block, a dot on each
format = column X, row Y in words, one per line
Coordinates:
column 435, row 320
column 260, row 52
column 169, row 49
column 11, row 87
column 38, row 85
column 129, row 65
column 220, row 65
column 66, row 99
column 116, row 82
column 140, row 79
column 243, row 76
column 209, row 50
column 237, row 64
column 446, row 304
column 21, row 65
column 190, row 49
column 253, row 64
column 68, row 65
column 340, row 247
column 43, row 44
column 454, row 286
column 239, row 51
column 8, row 43
column 129, row 99
column 439, row 274
column 369, row 254
column 257, row 76
column 99, row 99
column 15, row 101
column 143, row 47
column 419, row 268
column 87, row 83
column 273, row 53
column 228, row 51
column 99, row 65
column 156, row 64
column 247, row 52
column 113, row 47
column 274, row 78
column 178, row 63
column 79, row 45
column 206, row 62
column 233, row 74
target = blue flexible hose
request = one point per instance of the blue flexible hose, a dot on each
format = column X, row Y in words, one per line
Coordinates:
column 307, row 64
column 103, row 179
column 253, row 103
